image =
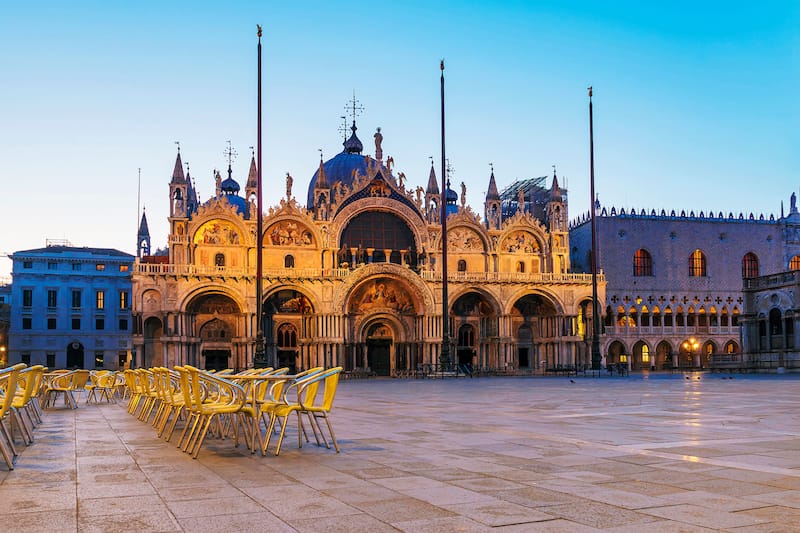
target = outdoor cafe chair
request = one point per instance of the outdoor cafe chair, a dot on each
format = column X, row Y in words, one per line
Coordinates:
column 20, row 414
column 304, row 389
column 8, row 389
column 315, row 410
column 209, row 399
column 66, row 384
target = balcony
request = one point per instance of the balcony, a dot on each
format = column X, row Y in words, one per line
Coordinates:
column 153, row 269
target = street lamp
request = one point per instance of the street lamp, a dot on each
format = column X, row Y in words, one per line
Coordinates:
column 691, row 345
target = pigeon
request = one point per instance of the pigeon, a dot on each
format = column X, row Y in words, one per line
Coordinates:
column 572, row 381
column 687, row 377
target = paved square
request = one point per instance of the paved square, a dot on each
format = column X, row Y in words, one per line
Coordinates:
column 695, row 452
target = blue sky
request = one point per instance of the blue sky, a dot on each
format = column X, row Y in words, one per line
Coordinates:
column 695, row 103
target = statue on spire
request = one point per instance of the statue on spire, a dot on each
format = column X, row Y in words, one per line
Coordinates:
column 289, row 182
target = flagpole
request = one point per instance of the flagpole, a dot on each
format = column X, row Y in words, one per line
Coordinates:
column 444, row 357
column 596, row 357
column 259, row 359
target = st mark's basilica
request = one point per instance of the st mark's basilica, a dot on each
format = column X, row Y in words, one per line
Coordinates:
column 352, row 273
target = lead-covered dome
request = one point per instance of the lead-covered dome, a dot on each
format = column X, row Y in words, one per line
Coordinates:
column 343, row 166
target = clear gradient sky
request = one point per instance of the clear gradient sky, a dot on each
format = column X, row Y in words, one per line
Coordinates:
column 696, row 104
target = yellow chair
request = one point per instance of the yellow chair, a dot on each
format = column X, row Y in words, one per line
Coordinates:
column 66, row 384
column 20, row 413
column 315, row 411
column 8, row 389
column 305, row 389
column 102, row 381
column 210, row 398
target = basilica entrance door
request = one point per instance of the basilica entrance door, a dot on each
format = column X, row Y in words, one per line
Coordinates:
column 378, row 351
column 216, row 359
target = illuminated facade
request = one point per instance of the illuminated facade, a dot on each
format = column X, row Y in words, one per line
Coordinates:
column 353, row 277
column 674, row 294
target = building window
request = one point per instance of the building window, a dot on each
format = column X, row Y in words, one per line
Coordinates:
column 27, row 297
column 76, row 299
column 76, row 266
column 50, row 357
column 25, row 357
column 52, row 265
column 27, row 322
column 697, row 264
column 288, row 261
column 123, row 299
column 123, row 324
column 51, row 323
column 794, row 264
column 99, row 266
column 27, row 264
column 462, row 265
column 52, row 297
column 100, row 299
column 642, row 263
column 122, row 359
column 219, row 260
column 99, row 324
column 76, row 323
column 521, row 267
column 99, row 359
column 645, row 354
column 750, row 265
column 124, row 268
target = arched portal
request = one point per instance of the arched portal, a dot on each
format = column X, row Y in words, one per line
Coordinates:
column 615, row 352
column 285, row 327
column 379, row 348
column 153, row 330
column 537, row 328
column 473, row 322
column 664, row 356
column 220, row 326
column 75, row 355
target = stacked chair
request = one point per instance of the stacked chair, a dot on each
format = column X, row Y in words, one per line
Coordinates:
column 20, row 411
column 228, row 404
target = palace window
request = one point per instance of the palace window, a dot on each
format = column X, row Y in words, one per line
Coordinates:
column 288, row 261
column 794, row 264
column 521, row 267
column 52, row 297
column 123, row 299
column 642, row 263
column 462, row 265
column 750, row 265
column 100, row 299
column 219, row 260
column 76, row 298
column 27, row 297
column 697, row 264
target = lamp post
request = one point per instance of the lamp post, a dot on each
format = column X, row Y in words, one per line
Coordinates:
column 691, row 345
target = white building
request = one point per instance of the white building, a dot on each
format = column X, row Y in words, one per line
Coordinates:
column 71, row 307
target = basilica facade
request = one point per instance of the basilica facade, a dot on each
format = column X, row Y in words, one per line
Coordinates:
column 353, row 274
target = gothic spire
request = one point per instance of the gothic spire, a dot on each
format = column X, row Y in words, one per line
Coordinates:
column 433, row 187
column 177, row 173
column 252, row 176
column 322, row 181
column 555, row 190
column 492, row 193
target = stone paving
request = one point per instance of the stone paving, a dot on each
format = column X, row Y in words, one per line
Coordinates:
column 694, row 452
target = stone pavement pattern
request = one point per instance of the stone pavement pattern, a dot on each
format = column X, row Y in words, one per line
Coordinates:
column 660, row 453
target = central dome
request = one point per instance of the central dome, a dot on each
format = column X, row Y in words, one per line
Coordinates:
column 342, row 167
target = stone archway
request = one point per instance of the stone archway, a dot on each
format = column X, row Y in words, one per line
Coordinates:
column 220, row 327
column 152, row 350
column 75, row 355
column 379, row 342
column 474, row 325
column 535, row 324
